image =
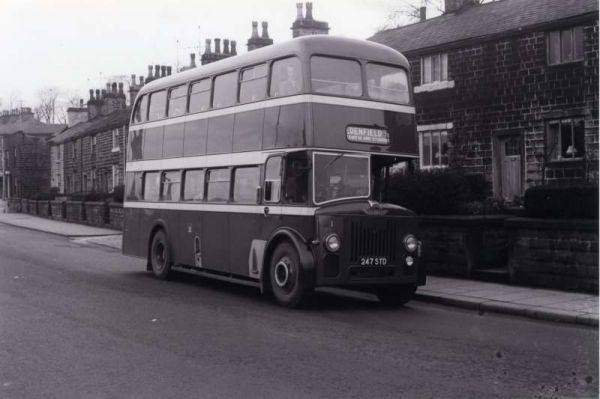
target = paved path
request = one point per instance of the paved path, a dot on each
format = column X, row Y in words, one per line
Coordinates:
column 54, row 226
column 567, row 307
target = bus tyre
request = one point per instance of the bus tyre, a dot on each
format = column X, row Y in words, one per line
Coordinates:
column 160, row 255
column 286, row 277
column 396, row 295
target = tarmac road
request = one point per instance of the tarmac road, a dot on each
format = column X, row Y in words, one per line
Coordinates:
column 79, row 320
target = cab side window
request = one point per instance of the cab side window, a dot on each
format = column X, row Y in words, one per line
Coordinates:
column 295, row 182
column 272, row 186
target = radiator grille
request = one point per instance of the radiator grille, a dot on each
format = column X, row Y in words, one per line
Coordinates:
column 373, row 238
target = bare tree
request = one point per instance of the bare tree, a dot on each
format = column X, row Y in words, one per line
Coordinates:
column 409, row 11
column 46, row 110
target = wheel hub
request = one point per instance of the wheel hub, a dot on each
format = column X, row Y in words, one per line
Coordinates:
column 282, row 273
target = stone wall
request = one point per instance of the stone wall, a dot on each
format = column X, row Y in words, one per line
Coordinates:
column 554, row 253
column 116, row 215
column 58, row 210
column 549, row 253
column 458, row 245
column 96, row 213
column 75, row 211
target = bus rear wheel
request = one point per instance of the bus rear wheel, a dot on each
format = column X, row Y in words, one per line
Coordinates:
column 285, row 274
column 397, row 295
column 160, row 255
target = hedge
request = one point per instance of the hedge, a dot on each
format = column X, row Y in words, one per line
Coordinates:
column 576, row 202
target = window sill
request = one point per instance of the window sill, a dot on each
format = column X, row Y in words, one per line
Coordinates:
column 116, row 150
column 565, row 161
column 566, row 63
column 433, row 167
column 449, row 84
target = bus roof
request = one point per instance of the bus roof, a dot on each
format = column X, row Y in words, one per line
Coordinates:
column 314, row 44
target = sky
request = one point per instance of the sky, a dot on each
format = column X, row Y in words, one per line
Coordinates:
column 77, row 45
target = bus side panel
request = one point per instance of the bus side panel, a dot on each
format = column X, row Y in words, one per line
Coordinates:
column 243, row 228
column 216, row 241
column 189, row 226
column 330, row 123
column 131, row 232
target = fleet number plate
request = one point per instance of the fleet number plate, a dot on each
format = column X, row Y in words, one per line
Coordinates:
column 373, row 260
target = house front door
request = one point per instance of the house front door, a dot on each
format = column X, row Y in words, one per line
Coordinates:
column 510, row 167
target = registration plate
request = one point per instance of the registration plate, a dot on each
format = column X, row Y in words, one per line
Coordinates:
column 373, row 260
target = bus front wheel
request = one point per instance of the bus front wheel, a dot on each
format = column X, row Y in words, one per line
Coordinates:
column 160, row 255
column 396, row 295
column 286, row 278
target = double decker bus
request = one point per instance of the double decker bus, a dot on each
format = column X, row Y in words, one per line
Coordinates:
column 272, row 169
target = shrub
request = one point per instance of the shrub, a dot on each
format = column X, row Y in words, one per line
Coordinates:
column 562, row 202
column 439, row 191
column 91, row 196
column 118, row 192
column 44, row 196
column 479, row 187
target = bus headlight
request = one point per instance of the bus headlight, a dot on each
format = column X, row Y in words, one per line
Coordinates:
column 333, row 242
column 411, row 243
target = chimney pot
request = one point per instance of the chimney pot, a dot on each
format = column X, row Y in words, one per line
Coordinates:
column 265, row 30
column 141, row 80
column 149, row 71
column 107, row 88
column 309, row 15
column 133, row 80
column 225, row 46
column 104, row 93
column 91, row 95
column 193, row 60
column 81, row 103
column 233, row 48
column 120, row 87
column 98, row 94
column 254, row 29
column 156, row 71
column 207, row 47
column 168, row 70
column 114, row 88
column 217, row 46
column 163, row 71
column 299, row 15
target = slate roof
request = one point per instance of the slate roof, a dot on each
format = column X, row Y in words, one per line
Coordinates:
column 482, row 20
column 99, row 124
column 28, row 125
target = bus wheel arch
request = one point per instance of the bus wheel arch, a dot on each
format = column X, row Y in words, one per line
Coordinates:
column 160, row 254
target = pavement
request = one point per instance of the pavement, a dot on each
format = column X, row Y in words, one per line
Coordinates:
column 534, row 303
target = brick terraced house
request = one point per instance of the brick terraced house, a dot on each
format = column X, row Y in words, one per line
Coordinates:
column 89, row 156
column 24, row 156
column 507, row 89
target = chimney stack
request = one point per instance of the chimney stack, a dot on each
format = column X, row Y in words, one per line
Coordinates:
column 233, row 49
column 422, row 14
column 217, row 46
column 309, row 11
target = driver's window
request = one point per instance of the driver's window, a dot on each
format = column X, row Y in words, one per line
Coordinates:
column 295, row 182
column 272, row 188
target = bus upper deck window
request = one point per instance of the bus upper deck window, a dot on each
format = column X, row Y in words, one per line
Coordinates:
column 177, row 100
column 200, row 96
column 139, row 115
column 286, row 77
column 158, row 103
column 253, row 84
column 387, row 83
column 335, row 76
column 225, row 90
